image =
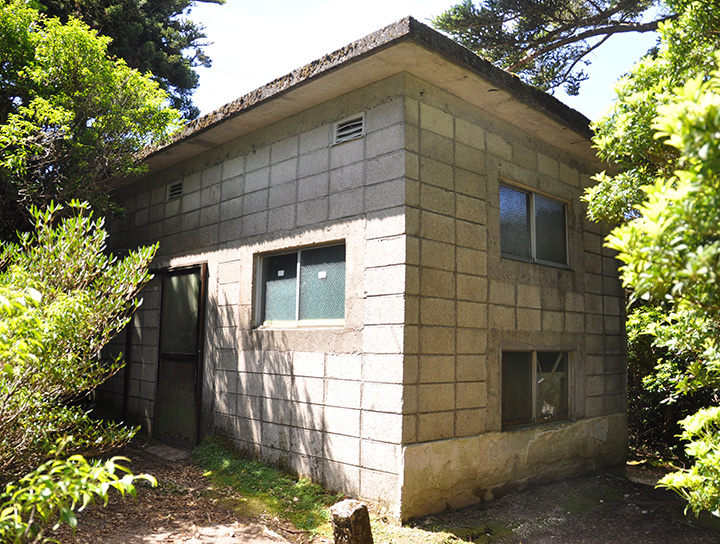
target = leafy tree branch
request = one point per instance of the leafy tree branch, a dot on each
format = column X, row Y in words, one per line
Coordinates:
column 71, row 117
column 546, row 42
column 155, row 36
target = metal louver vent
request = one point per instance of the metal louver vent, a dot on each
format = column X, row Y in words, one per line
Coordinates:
column 349, row 129
column 175, row 190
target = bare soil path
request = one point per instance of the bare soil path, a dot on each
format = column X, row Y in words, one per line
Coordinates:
column 183, row 508
column 597, row 509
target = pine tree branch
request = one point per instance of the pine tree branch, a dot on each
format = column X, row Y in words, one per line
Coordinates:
column 594, row 20
column 589, row 50
column 600, row 31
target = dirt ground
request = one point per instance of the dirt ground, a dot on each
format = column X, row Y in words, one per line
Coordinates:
column 596, row 509
column 181, row 509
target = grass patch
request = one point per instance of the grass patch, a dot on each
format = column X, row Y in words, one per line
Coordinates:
column 481, row 529
column 251, row 489
column 259, row 488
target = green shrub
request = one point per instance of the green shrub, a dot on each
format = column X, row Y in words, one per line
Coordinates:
column 62, row 298
column 52, row 493
column 671, row 256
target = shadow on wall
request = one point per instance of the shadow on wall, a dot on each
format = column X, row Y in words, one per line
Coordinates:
column 129, row 395
column 270, row 401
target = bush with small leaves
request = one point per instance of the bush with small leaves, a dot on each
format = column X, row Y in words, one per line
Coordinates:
column 62, row 298
column 671, row 256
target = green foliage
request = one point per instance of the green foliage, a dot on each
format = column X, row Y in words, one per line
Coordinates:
column 71, row 118
column 153, row 36
column 62, row 298
column 546, row 42
column 625, row 136
column 654, row 404
column 53, row 492
column 671, row 256
column 298, row 500
column 700, row 485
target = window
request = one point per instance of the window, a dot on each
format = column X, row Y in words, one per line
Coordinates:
column 532, row 227
column 304, row 287
column 534, row 387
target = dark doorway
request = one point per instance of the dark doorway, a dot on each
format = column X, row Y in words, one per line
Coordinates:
column 177, row 403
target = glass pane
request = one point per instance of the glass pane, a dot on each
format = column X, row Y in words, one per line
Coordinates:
column 552, row 386
column 179, row 314
column 280, row 274
column 550, row 230
column 516, row 387
column 514, row 223
column 176, row 412
column 322, row 283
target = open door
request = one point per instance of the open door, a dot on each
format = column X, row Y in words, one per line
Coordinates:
column 177, row 401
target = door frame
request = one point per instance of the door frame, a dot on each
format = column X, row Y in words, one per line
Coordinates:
column 202, row 267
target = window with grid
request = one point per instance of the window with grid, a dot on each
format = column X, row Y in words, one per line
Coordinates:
column 533, row 227
column 304, row 287
column 534, row 387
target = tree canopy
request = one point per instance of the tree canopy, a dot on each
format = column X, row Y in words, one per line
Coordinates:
column 625, row 136
column 71, row 118
column 149, row 35
column 547, row 42
column 671, row 256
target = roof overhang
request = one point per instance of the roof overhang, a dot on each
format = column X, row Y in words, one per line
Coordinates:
column 405, row 46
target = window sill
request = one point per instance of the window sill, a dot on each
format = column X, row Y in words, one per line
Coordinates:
column 541, row 425
column 301, row 325
column 530, row 261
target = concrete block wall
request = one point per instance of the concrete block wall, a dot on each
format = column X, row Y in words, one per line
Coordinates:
column 447, row 294
column 470, row 304
column 606, row 370
column 322, row 401
column 326, row 402
column 140, row 363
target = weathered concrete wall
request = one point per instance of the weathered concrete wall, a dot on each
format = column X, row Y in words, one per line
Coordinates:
column 141, row 363
column 447, row 274
column 454, row 473
column 416, row 368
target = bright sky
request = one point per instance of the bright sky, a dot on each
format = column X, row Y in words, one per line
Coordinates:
column 256, row 42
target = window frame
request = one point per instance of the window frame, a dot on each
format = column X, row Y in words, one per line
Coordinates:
column 535, row 419
column 533, row 227
column 261, row 283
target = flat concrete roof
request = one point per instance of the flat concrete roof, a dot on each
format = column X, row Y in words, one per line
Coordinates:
column 405, row 46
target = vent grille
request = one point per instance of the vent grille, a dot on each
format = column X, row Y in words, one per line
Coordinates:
column 175, row 190
column 349, row 129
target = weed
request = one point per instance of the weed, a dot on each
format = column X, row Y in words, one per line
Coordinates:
column 262, row 488
column 251, row 489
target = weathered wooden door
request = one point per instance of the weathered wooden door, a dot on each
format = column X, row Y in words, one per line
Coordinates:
column 177, row 402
